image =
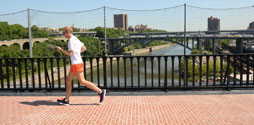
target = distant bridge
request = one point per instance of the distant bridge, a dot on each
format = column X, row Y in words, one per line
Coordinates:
column 24, row 43
column 146, row 38
column 227, row 32
column 87, row 33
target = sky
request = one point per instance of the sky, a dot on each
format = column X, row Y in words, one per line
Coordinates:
column 9, row 6
column 168, row 19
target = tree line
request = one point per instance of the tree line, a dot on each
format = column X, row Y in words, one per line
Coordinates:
column 17, row 31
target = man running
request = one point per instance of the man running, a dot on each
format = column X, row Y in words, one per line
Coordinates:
column 75, row 47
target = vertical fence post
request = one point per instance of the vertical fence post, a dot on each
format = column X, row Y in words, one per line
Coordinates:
column 214, row 46
column 105, row 71
column 1, row 75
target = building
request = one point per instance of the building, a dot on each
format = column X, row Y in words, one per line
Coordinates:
column 213, row 23
column 251, row 26
column 121, row 21
column 130, row 28
column 83, row 30
column 141, row 27
column 50, row 29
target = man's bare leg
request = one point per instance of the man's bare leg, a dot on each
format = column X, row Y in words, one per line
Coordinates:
column 69, row 79
column 86, row 83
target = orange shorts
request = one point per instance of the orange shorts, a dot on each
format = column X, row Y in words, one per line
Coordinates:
column 76, row 68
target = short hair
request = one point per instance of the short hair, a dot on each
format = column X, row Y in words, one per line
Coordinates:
column 67, row 28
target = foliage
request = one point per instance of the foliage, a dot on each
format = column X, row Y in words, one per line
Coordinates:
column 17, row 31
column 134, row 46
column 94, row 46
column 157, row 43
column 194, row 51
column 204, row 69
column 44, row 50
column 111, row 32
column 38, row 33
column 150, row 30
column 224, row 43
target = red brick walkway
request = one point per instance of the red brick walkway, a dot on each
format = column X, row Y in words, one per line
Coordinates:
column 166, row 109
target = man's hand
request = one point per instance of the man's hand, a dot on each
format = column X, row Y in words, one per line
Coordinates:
column 68, row 53
column 59, row 49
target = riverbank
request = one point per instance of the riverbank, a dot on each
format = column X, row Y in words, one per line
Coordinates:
column 147, row 50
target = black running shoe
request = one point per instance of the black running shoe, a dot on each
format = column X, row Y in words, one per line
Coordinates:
column 102, row 95
column 63, row 102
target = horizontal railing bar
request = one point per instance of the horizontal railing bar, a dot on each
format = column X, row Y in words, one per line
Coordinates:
column 127, row 56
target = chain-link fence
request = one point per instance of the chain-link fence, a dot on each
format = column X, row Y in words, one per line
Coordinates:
column 172, row 19
column 82, row 19
column 230, row 18
column 15, row 18
column 168, row 19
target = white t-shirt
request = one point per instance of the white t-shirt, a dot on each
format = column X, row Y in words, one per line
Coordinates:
column 75, row 45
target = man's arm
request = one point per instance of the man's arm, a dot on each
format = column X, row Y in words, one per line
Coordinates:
column 68, row 53
column 83, row 49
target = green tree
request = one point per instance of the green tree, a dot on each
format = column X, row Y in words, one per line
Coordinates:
column 94, row 46
column 38, row 33
column 111, row 32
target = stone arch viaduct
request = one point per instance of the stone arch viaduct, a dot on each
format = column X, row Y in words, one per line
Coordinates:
column 24, row 43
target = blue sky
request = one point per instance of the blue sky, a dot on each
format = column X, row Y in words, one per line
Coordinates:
column 168, row 19
column 8, row 6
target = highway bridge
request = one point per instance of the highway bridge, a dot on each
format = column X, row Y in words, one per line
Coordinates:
column 146, row 38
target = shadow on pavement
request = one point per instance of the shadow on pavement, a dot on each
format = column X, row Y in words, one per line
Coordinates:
column 50, row 103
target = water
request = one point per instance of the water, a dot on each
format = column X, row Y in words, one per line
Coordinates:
column 173, row 50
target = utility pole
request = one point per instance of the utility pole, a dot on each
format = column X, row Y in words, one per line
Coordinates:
column 185, row 61
column 105, row 34
column 30, row 44
column 30, row 33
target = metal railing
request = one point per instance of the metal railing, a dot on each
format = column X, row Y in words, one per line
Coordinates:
column 131, row 72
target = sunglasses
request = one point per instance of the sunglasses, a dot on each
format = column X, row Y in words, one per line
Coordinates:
column 64, row 32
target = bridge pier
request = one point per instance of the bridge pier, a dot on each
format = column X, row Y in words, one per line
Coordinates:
column 187, row 39
column 239, row 46
column 110, row 46
column 207, row 44
column 193, row 40
column 199, row 45
column 214, row 46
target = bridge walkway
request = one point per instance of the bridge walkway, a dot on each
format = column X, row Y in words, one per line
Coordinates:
column 126, row 108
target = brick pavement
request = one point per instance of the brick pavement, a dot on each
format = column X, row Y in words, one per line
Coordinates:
column 164, row 109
